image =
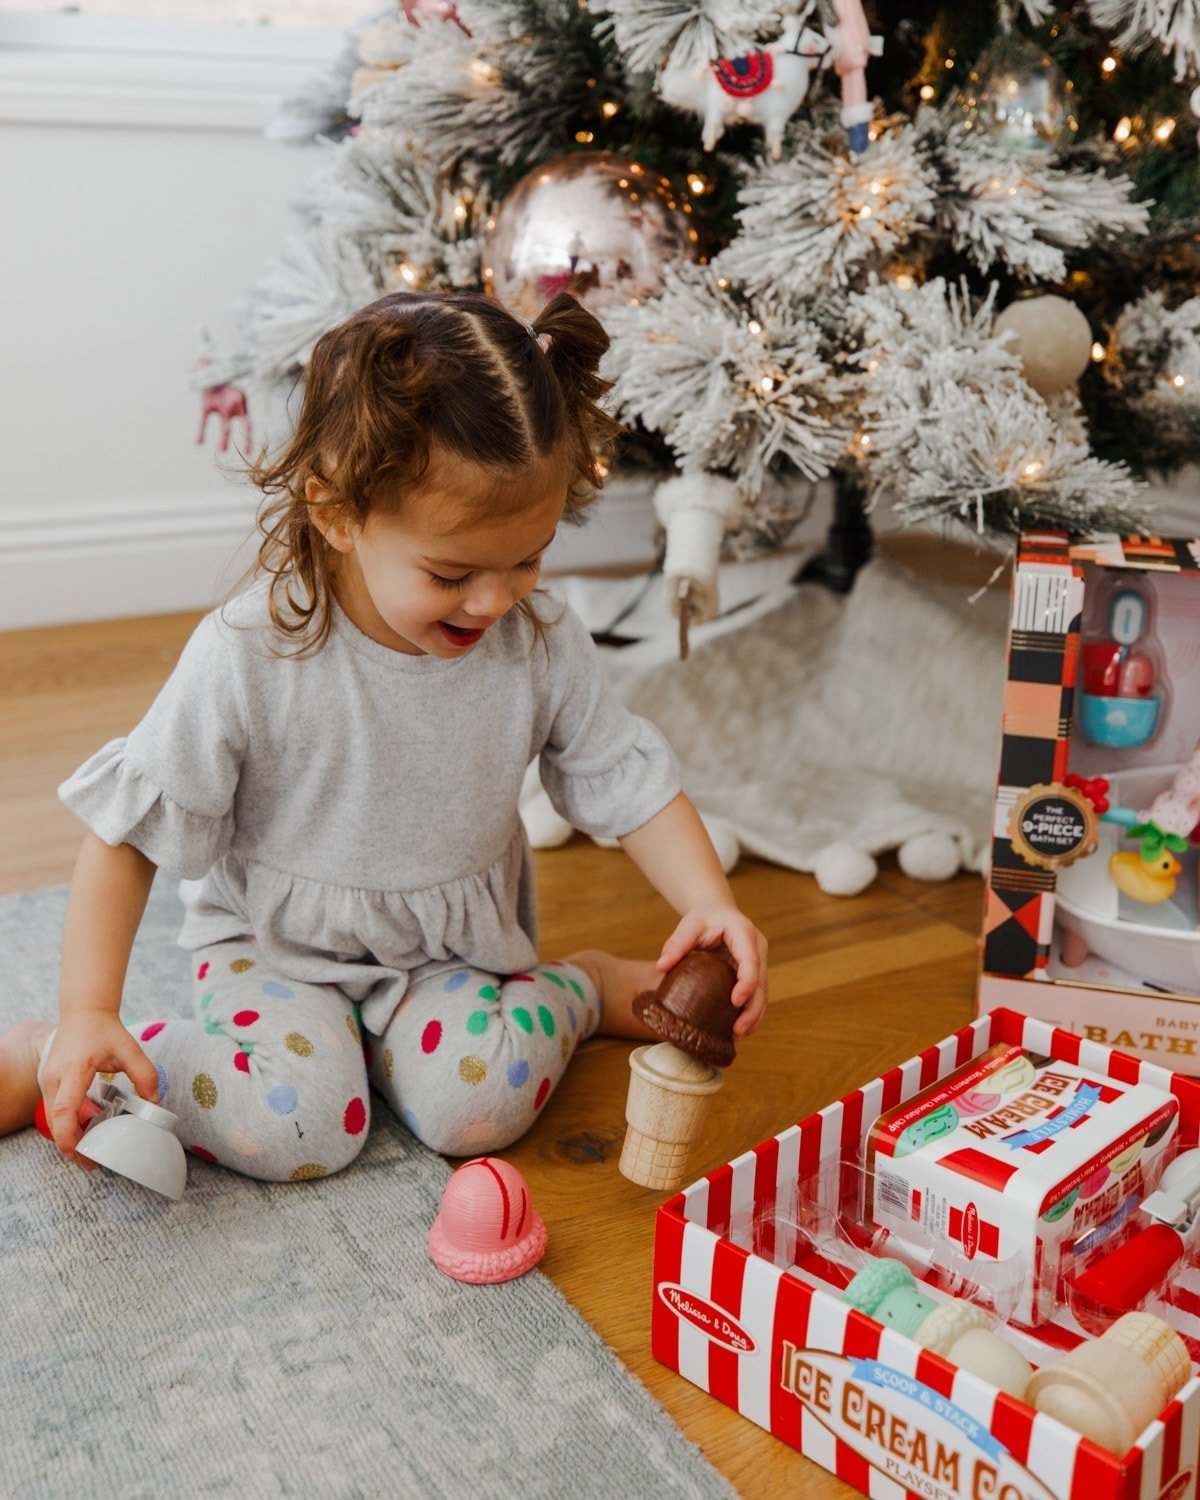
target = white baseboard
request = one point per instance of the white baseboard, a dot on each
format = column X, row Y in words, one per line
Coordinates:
column 148, row 557
column 143, row 557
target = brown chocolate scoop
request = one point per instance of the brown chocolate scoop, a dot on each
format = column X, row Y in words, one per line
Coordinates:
column 691, row 1008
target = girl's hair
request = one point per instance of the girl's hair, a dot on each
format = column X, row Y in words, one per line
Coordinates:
column 408, row 379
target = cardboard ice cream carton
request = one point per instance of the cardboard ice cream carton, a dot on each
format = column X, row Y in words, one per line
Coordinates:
column 1010, row 1158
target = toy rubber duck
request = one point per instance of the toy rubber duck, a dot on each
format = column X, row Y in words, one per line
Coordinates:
column 1148, row 881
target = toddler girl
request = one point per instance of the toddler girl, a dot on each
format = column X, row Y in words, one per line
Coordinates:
column 334, row 768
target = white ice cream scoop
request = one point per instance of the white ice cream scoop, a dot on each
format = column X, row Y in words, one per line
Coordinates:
column 135, row 1139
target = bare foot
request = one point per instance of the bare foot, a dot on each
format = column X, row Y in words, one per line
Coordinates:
column 619, row 981
column 20, row 1052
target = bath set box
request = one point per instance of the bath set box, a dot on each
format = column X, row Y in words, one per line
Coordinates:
column 758, row 1270
column 1092, row 918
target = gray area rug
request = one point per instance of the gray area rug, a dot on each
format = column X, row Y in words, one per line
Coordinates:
column 283, row 1340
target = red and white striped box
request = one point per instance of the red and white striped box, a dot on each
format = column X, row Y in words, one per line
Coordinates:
column 747, row 1310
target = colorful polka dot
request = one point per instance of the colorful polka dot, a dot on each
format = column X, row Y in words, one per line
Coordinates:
column 277, row 991
column 518, row 1073
column 573, row 1019
column 355, row 1117
column 203, row 1154
column 206, row 1000
column 554, row 979
column 564, row 1046
column 520, row 979
column 243, row 1144
column 410, row 1120
column 456, row 980
column 577, row 987
column 107, row 1077
column 241, row 1061
column 204, row 1091
column 472, row 1069
column 298, row 1044
column 240, row 965
column 162, row 1083
column 546, row 1020
column 488, row 992
column 331, row 1038
column 523, row 1019
column 152, row 1030
column 387, row 1062
column 351, row 1027
column 477, row 1022
column 202, row 970
column 283, row 1099
column 543, row 1093
column 431, row 1036
column 213, row 1028
column 307, row 1172
column 245, row 1018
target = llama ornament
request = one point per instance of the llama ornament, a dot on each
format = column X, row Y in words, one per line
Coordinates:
column 764, row 87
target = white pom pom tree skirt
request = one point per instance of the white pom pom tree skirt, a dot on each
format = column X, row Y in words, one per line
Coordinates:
column 812, row 725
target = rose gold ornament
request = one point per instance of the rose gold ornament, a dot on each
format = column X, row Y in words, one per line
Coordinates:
column 593, row 224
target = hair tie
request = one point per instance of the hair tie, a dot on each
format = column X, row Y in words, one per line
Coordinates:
column 542, row 340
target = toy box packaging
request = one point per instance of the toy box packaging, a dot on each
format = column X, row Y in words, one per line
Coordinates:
column 756, row 1268
column 1092, row 918
column 1007, row 1160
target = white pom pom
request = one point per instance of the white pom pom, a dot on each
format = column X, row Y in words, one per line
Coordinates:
column 544, row 827
column 843, row 870
column 930, row 856
column 725, row 841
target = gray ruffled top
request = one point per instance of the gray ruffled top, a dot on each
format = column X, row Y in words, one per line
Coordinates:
column 355, row 811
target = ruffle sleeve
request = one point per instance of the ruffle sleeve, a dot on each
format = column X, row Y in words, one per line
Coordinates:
column 168, row 788
column 606, row 770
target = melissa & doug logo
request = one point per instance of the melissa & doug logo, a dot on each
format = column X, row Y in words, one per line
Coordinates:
column 719, row 1325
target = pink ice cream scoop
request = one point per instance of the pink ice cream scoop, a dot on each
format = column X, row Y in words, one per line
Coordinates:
column 487, row 1229
column 976, row 1103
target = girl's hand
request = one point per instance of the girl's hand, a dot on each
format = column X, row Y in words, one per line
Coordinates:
column 708, row 929
column 89, row 1042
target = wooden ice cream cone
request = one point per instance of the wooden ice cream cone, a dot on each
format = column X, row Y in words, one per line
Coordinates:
column 666, row 1107
column 1111, row 1387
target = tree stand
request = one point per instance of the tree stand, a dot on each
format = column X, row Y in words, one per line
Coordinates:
column 848, row 544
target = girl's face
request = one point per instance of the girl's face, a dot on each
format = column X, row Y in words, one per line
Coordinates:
column 425, row 582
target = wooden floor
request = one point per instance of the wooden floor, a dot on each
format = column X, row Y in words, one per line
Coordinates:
column 856, row 986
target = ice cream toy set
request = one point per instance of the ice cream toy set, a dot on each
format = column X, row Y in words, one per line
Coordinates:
column 1092, row 919
column 977, row 1276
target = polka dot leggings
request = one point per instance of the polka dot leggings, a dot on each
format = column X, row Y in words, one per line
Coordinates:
column 271, row 1078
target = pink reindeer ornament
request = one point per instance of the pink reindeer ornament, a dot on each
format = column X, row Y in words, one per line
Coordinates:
column 227, row 403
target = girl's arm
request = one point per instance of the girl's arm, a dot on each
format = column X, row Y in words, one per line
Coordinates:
column 676, row 856
column 108, row 896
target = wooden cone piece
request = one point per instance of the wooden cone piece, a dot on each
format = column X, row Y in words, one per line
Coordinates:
column 666, row 1107
column 1111, row 1387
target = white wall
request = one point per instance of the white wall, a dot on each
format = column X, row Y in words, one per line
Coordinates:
column 139, row 199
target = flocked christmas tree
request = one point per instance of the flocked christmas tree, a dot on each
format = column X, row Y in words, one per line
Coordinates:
column 943, row 254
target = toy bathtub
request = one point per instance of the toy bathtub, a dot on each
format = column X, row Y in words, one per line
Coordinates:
column 1088, row 905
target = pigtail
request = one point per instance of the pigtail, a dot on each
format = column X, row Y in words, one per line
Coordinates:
column 575, row 341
